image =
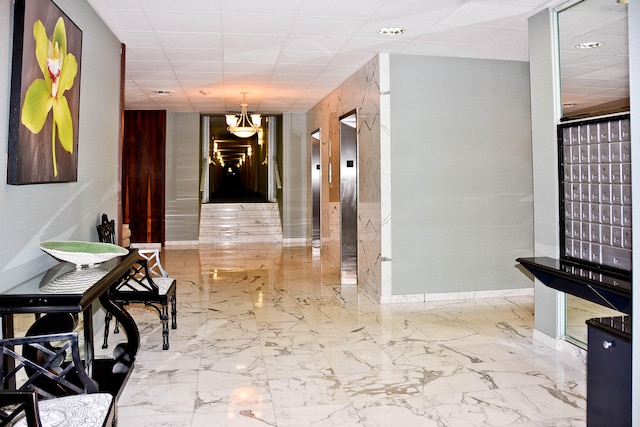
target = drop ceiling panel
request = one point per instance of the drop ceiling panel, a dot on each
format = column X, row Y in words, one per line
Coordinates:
column 505, row 38
column 326, row 27
column 233, row 24
column 290, row 54
column 182, row 22
column 433, row 48
column 191, row 6
column 148, row 66
column 194, row 55
column 147, row 53
column 271, row 7
column 447, row 33
column 487, row 14
column 320, row 45
column 140, row 39
column 197, row 67
column 193, row 40
column 429, row 11
column 487, row 52
column 126, row 20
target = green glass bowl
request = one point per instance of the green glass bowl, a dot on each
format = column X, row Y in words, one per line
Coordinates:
column 83, row 253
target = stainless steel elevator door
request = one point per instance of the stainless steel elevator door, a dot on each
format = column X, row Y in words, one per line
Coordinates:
column 316, row 174
column 348, row 193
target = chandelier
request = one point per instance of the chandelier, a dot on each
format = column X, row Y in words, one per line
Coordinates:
column 241, row 125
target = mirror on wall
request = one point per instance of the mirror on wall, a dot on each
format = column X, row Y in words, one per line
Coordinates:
column 594, row 74
column 578, row 312
column 594, row 58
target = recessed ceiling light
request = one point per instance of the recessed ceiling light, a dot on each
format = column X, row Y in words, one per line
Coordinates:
column 391, row 31
column 589, row 45
column 163, row 92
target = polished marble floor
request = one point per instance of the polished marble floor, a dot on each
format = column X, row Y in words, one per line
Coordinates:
column 269, row 336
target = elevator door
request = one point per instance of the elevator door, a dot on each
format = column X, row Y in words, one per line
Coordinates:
column 315, row 187
column 348, row 193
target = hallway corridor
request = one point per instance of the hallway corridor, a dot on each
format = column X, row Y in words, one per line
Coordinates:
column 232, row 190
column 268, row 336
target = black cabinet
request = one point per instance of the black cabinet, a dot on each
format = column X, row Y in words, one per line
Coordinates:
column 609, row 372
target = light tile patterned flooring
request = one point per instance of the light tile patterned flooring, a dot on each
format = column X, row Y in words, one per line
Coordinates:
column 268, row 336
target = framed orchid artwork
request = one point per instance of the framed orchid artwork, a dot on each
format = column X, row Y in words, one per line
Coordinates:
column 45, row 95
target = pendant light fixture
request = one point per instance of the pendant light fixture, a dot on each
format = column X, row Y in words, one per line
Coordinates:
column 241, row 125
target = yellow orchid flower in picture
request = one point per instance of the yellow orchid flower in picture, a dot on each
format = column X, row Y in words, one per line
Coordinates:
column 59, row 70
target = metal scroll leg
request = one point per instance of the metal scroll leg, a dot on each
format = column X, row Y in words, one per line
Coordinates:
column 124, row 353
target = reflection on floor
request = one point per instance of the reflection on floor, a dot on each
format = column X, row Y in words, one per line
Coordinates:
column 269, row 336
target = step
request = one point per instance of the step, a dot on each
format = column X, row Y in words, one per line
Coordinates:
column 240, row 222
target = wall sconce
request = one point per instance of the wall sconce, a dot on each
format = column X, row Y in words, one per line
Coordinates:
column 213, row 151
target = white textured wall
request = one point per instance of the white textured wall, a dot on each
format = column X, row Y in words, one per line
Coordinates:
column 30, row 214
column 461, row 176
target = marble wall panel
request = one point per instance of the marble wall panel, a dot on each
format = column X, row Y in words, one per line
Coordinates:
column 361, row 92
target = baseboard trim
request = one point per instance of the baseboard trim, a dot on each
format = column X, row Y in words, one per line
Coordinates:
column 294, row 241
column 560, row 345
column 182, row 243
column 453, row 296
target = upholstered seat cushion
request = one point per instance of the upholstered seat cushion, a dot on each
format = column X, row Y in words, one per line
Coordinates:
column 163, row 283
column 83, row 410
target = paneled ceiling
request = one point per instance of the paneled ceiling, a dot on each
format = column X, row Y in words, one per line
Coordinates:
column 287, row 55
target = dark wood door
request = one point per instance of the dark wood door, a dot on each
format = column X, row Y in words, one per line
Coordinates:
column 143, row 169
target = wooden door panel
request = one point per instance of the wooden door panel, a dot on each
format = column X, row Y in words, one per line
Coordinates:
column 143, row 174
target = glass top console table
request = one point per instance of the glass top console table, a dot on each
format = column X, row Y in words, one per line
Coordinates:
column 59, row 295
column 607, row 288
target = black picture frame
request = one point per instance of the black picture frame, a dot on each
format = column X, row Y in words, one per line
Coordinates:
column 42, row 78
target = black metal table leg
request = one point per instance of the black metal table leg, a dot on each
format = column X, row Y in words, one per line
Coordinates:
column 124, row 353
